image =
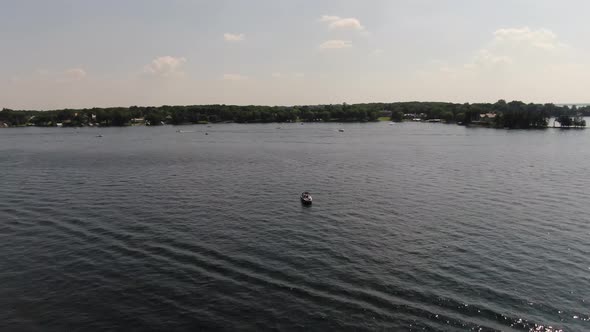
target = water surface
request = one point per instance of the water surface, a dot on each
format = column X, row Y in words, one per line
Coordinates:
column 413, row 227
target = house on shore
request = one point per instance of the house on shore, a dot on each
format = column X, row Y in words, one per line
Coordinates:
column 138, row 121
column 487, row 117
column 485, row 120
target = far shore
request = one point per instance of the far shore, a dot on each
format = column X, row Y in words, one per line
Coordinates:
column 210, row 124
column 502, row 114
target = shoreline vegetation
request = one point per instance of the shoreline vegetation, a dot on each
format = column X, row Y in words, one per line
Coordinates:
column 502, row 114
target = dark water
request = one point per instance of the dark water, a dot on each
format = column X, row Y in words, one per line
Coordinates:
column 413, row 227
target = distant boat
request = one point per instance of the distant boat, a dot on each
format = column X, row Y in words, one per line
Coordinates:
column 306, row 198
column 98, row 135
column 341, row 130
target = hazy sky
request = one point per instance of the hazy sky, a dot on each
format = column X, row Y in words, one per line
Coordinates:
column 78, row 53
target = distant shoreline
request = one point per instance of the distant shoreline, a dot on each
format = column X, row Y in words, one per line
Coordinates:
column 471, row 125
column 502, row 114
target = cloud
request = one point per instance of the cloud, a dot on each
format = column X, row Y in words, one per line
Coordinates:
column 165, row 66
column 525, row 48
column 230, row 37
column 335, row 44
column 299, row 75
column 347, row 23
column 484, row 57
column 515, row 63
column 540, row 38
column 234, row 77
column 63, row 76
column 75, row 74
column 336, row 22
column 276, row 75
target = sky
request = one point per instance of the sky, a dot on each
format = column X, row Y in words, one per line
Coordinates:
column 81, row 53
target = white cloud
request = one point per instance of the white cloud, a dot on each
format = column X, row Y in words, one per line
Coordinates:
column 335, row 44
column 64, row 76
column 75, row 74
column 485, row 57
column 230, row 37
column 516, row 63
column 347, row 23
column 299, row 75
column 276, row 75
column 540, row 38
column 524, row 48
column 234, row 77
column 336, row 22
column 166, row 66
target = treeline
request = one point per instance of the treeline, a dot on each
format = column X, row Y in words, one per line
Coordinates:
column 502, row 114
column 513, row 114
column 121, row 116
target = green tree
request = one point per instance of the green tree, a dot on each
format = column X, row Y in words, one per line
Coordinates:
column 447, row 116
column 565, row 121
column 397, row 116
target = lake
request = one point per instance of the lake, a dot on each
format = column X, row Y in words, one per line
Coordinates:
column 413, row 227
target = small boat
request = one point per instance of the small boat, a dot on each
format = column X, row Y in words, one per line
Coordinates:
column 341, row 130
column 98, row 135
column 306, row 198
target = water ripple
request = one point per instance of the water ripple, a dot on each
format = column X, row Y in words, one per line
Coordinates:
column 413, row 227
